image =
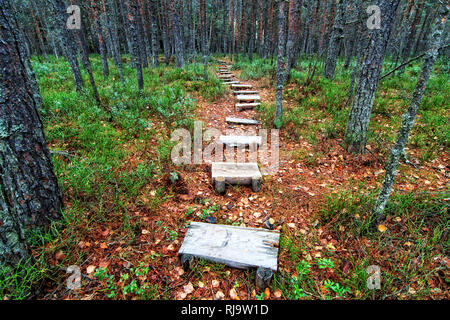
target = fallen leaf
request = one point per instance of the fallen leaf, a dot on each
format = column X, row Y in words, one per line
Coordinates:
column 267, row 293
column 381, row 228
column 277, row 293
column 233, row 294
column 90, row 269
column 219, row 295
column 189, row 288
column 215, row 283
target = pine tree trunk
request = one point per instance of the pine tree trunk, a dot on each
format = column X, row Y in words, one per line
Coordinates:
column 204, row 36
column 154, row 32
column 369, row 75
column 294, row 9
column 410, row 114
column 126, row 27
column 29, row 192
column 107, row 7
column 101, row 42
column 136, row 56
column 335, row 40
column 177, row 33
column 67, row 43
column 281, row 64
column 87, row 63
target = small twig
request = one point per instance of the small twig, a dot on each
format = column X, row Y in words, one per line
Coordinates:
column 408, row 62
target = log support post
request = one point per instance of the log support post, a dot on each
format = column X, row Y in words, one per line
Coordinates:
column 186, row 261
column 263, row 278
column 219, row 185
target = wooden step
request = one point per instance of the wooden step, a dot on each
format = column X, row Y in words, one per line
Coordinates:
column 248, row 97
column 242, row 121
column 235, row 141
column 245, row 92
column 225, row 76
column 237, row 247
column 235, row 173
column 231, row 82
column 243, row 86
column 245, row 106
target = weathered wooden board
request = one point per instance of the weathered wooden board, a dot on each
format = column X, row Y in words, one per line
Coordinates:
column 245, row 106
column 245, row 92
column 236, row 173
column 241, row 86
column 241, row 121
column 225, row 76
column 236, row 247
column 231, row 82
column 235, row 141
column 248, row 97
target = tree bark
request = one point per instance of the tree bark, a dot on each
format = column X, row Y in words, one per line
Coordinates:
column 281, row 64
column 29, row 192
column 369, row 75
column 410, row 114
column 335, row 40
column 66, row 42
column 136, row 56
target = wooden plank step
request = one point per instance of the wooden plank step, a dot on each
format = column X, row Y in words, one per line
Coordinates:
column 237, row 247
column 234, row 141
column 236, row 174
column 231, row 82
column 243, row 86
column 249, row 97
column 242, row 121
column 245, row 92
column 245, row 106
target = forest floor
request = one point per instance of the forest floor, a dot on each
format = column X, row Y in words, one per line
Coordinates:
column 128, row 207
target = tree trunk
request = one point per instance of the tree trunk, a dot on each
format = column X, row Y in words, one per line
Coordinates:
column 107, row 7
column 177, row 33
column 67, row 44
column 369, row 75
column 410, row 114
column 335, row 40
column 294, row 9
column 29, row 192
column 136, row 56
column 281, row 64
column 204, row 36
column 154, row 32
column 101, row 42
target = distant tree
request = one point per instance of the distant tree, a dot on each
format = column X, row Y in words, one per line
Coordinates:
column 294, row 10
column 29, row 192
column 177, row 33
column 368, row 78
column 409, row 116
column 136, row 55
column 67, row 42
column 335, row 40
column 281, row 63
column 204, row 35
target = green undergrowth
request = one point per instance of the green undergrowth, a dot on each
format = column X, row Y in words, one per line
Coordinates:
column 411, row 253
column 320, row 109
column 106, row 157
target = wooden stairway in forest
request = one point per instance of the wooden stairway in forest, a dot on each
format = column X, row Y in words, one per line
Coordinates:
column 238, row 247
